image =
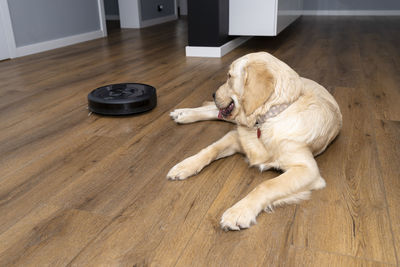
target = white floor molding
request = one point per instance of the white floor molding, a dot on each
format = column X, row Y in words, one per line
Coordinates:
column 352, row 12
column 213, row 51
column 57, row 43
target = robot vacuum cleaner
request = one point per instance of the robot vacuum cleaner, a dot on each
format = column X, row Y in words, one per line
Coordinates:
column 122, row 99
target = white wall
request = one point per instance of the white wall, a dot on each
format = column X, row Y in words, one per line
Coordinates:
column 4, row 53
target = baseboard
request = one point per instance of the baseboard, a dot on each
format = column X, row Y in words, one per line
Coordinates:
column 112, row 17
column 57, row 43
column 213, row 51
column 151, row 22
column 351, row 12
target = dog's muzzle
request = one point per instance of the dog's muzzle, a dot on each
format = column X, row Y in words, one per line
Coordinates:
column 225, row 112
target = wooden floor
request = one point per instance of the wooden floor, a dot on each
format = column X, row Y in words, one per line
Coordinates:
column 84, row 190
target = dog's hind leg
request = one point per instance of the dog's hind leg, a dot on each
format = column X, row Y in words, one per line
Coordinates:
column 188, row 115
column 226, row 146
column 296, row 197
column 292, row 199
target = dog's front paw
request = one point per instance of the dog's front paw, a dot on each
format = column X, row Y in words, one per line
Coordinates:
column 238, row 217
column 182, row 115
column 182, row 170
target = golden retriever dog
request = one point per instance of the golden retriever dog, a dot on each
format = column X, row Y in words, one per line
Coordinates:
column 283, row 122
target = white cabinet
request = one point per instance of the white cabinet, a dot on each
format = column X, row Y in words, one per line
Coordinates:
column 262, row 17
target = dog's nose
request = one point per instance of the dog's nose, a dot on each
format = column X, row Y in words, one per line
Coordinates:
column 214, row 96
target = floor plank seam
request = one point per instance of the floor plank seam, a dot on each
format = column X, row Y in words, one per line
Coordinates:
column 375, row 147
column 382, row 182
column 343, row 255
column 91, row 241
column 199, row 224
column 42, row 155
column 161, row 239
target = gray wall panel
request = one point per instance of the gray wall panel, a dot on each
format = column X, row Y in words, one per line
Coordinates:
column 43, row 20
column 149, row 8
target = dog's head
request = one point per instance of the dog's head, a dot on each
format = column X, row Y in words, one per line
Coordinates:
column 253, row 81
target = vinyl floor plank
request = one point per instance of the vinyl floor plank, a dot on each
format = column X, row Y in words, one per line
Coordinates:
column 49, row 236
column 24, row 190
column 349, row 216
column 380, row 74
column 307, row 257
column 79, row 190
column 388, row 143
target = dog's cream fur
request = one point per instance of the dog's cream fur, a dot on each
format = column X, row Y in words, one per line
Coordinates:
column 288, row 141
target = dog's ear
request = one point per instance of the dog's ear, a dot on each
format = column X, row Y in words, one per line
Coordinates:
column 259, row 84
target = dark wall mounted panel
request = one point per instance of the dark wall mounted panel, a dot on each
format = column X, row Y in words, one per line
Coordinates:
column 152, row 9
column 208, row 22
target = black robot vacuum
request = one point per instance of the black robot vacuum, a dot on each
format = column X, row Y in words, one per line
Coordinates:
column 122, row 99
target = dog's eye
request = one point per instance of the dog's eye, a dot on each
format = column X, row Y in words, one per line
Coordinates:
column 229, row 75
